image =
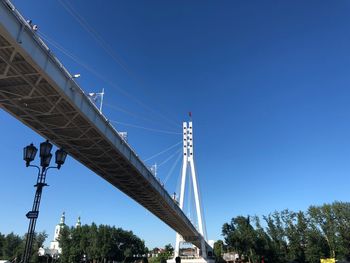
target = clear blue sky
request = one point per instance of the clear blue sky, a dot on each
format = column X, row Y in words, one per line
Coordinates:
column 268, row 83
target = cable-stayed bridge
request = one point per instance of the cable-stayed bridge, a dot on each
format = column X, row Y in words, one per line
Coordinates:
column 36, row 89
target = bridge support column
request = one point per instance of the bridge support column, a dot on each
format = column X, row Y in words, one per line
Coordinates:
column 188, row 160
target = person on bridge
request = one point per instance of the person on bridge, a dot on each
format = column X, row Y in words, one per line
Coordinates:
column 178, row 260
column 32, row 26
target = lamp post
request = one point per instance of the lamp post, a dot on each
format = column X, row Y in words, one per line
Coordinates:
column 29, row 153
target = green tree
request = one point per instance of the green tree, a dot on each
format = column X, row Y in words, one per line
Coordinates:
column 341, row 213
column 241, row 236
column 65, row 242
column 99, row 244
column 219, row 250
column 263, row 243
column 295, row 225
column 316, row 246
column 169, row 250
column 276, row 232
column 12, row 247
column 324, row 218
column 304, row 237
column 2, row 242
column 127, row 253
column 38, row 241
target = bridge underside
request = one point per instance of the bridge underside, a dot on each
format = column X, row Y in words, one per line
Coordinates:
column 37, row 90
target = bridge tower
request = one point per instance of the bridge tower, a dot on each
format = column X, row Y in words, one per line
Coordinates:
column 188, row 162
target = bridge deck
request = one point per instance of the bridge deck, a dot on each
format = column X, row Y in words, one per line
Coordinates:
column 37, row 90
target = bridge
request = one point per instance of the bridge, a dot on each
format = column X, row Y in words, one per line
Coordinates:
column 37, row 90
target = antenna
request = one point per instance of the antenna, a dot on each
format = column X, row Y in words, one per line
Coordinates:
column 101, row 103
column 94, row 96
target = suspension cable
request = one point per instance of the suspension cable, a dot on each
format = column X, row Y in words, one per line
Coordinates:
column 98, row 38
column 120, row 109
column 163, row 151
column 145, row 128
column 169, row 158
column 172, row 168
column 97, row 74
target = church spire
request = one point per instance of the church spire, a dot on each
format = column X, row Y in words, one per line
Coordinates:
column 63, row 219
column 54, row 245
column 78, row 224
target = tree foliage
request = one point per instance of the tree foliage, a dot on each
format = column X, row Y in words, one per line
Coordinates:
column 304, row 237
column 99, row 244
column 12, row 246
column 219, row 250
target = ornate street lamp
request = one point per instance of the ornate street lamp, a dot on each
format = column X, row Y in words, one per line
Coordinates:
column 60, row 157
column 45, row 149
column 29, row 153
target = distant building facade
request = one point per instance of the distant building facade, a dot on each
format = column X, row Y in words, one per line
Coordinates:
column 230, row 256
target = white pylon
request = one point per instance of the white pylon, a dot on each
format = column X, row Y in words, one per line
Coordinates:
column 189, row 161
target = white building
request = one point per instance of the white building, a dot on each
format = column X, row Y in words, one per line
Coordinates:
column 55, row 249
column 54, row 245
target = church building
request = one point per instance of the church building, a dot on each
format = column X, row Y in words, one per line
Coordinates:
column 54, row 245
column 55, row 250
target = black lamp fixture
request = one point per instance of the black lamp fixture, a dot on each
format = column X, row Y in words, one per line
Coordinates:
column 29, row 153
column 45, row 160
column 60, row 157
column 45, row 148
